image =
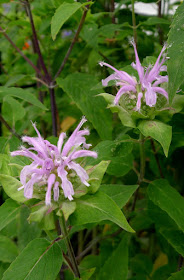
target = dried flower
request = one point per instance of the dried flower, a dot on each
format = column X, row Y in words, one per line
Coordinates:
column 147, row 87
column 51, row 164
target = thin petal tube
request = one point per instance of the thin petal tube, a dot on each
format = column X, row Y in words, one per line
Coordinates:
column 27, row 170
column 71, row 140
column 66, row 184
column 138, row 65
column 26, row 153
column 60, row 141
column 81, row 172
column 161, row 91
column 160, row 80
column 122, row 91
column 83, row 153
column 150, row 96
column 138, row 105
column 110, row 78
column 51, row 181
column 56, row 191
column 28, row 188
column 35, row 142
column 122, row 75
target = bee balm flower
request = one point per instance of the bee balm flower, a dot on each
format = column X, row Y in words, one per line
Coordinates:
column 146, row 88
column 51, row 164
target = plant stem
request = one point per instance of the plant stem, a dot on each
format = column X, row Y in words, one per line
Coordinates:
column 134, row 22
column 19, row 51
column 73, row 42
column 9, row 128
column 156, row 158
column 142, row 169
column 69, row 247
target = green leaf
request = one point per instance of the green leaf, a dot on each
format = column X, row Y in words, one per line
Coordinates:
column 175, row 238
column 116, row 266
column 176, row 52
column 96, row 175
column 12, row 110
column 118, row 152
column 158, row 131
column 155, row 21
column 98, row 207
column 8, row 212
column 10, row 186
column 79, row 88
column 62, row 14
column 8, row 250
column 168, row 199
column 26, row 231
column 177, row 276
column 67, row 208
column 39, row 260
column 119, row 193
column 22, row 94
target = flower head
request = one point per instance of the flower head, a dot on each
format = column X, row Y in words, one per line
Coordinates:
column 147, row 87
column 51, row 164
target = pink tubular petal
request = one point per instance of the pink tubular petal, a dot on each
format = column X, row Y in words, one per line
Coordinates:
column 122, row 91
column 80, row 172
column 28, row 187
column 161, row 91
column 160, row 80
column 83, row 153
column 138, row 105
column 150, row 96
column 51, row 181
column 35, row 142
column 138, row 65
column 110, row 78
column 60, row 141
column 26, row 153
column 121, row 74
column 27, row 171
column 56, row 191
column 66, row 184
column 71, row 140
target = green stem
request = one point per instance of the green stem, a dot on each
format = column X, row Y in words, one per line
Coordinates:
column 134, row 22
column 142, row 159
column 69, row 247
column 142, row 169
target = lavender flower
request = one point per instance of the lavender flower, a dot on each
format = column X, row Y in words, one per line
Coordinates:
column 51, row 164
column 147, row 87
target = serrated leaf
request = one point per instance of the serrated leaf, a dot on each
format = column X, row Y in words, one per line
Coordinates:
column 119, row 193
column 10, row 186
column 8, row 211
column 158, row 131
column 22, row 94
column 168, row 199
column 176, row 52
column 39, row 260
column 98, row 207
column 79, row 88
column 62, row 14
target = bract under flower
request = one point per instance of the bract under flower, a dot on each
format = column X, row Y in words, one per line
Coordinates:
column 147, row 86
column 51, row 164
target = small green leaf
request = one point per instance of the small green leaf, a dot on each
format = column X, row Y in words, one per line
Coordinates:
column 8, row 250
column 116, row 266
column 96, row 175
column 168, row 199
column 177, row 276
column 175, row 238
column 62, row 14
column 98, row 207
column 39, row 260
column 10, row 186
column 176, row 52
column 119, row 193
column 67, row 208
column 158, row 131
column 8, row 212
column 22, row 94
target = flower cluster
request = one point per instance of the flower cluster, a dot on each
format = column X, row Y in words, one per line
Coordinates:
column 147, row 87
column 51, row 164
